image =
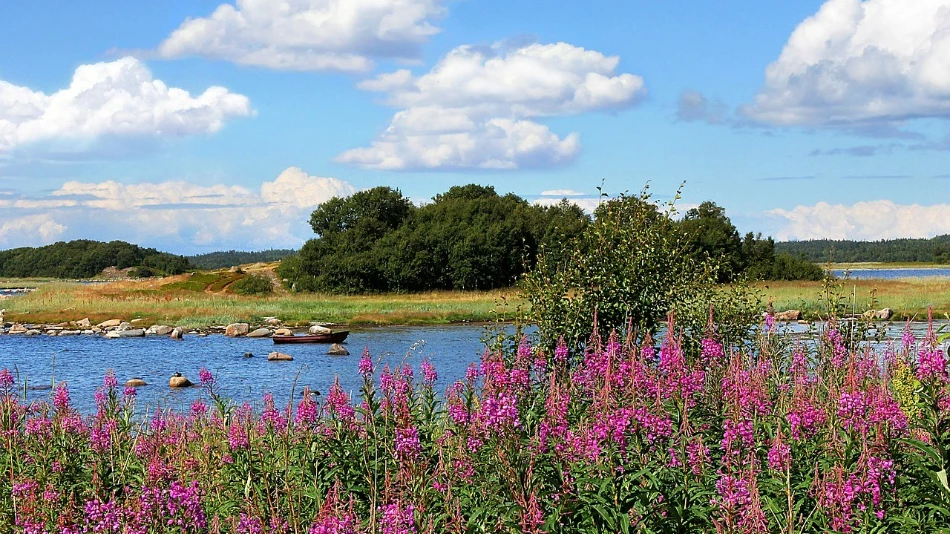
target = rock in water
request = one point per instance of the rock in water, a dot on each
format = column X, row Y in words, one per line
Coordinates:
column 338, row 350
column 178, row 381
column 84, row 323
column 885, row 314
column 279, row 357
column 248, row 355
column 236, row 329
column 260, row 332
column 283, row 332
column 137, row 383
column 132, row 332
column 176, row 333
column 788, row 315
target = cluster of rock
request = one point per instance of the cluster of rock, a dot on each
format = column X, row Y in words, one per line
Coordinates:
column 113, row 328
column 884, row 314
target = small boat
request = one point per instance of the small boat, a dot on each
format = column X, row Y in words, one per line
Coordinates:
column 332, row 337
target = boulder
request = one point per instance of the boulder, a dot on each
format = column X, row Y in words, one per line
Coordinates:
column 111, row 323
column 884, row 315
column 137, row 383
column 248, row 354
column 113, row 334
column 34, row 332
column 17, row 329
column 125, row 325
column 260, row 332
column 279, row 357
column 338, row 350
column 318, row 329
column 236, row 329
column 272, row 321
column 283, row 332
column 176, row 333
column 788, row 315
column 87, row 332
column 178, row 381
column 132, row 332
column 84, row 324
column 159, row 330
column 70, row 333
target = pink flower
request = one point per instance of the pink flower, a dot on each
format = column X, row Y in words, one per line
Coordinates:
column 366, row 364
column 429, row 374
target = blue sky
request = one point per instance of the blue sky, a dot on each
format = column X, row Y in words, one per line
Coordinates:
column 197, row 126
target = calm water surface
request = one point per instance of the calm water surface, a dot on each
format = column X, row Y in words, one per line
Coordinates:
column 887, row 274
column 81, row 361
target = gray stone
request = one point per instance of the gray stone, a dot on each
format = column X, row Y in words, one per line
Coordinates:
column 260, row 332
column 132, row 332
column 176, row 333
column 279, row 357
column 159, row 330
column 111, row 323
column 283, row 332
column 236, row 329
column 84, row 324
column 17, row 329
column 273, row 321
column 338, row 350
column 113, row 334
column 884, row 315
column 318, row 329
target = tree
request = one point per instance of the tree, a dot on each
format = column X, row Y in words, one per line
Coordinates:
column 710, row 233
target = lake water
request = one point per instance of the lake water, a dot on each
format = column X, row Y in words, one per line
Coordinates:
column 81, row 361
column 887, row 274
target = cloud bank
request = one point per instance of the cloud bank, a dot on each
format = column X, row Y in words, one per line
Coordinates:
column 874, row 220
column 858, row 62
column 475, row 108
column 111, row 100
column 173, row 215
column 307, row 35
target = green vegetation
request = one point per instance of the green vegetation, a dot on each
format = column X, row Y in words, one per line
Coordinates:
column 253, row 284
column 86, row 259
column 230, row 258
column 934, row 250
column 631, row 267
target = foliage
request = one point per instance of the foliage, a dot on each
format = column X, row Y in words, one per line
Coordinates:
column 711, row 234
column 230, row 258
column 628, row 270
column 934, row 250
column 631, row 437
column 85, row 259
column 468, row 238
column 253, row 284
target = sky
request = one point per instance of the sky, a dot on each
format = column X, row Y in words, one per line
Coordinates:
column 196, row 126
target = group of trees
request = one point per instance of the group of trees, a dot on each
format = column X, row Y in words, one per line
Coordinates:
column 472, row 238
column 934, row 250
column 85, row 259
column 230, row 258
column 468, row 238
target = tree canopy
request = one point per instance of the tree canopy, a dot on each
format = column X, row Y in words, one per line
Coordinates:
column 85, row 259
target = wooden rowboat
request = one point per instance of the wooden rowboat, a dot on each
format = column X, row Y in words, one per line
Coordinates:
column 332, row 337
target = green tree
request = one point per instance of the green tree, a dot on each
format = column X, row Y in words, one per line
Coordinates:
column 710, row 233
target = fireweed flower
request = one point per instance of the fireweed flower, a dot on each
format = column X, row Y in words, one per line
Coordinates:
column 429, row 374
column 205, row 377
column 61, row 398
column 407, row 443
column 6, row 379
column 366, row 364
column 780, row 454
column 932, row 366
column 397, row 519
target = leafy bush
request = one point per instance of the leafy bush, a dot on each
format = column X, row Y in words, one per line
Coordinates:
column 631, row 437
column 253, row 284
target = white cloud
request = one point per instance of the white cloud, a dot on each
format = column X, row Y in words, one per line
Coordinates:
column 112, row 99
column 474, row 108
column 874, row 220
column 588, row 204
column 861, row 61
column 28, row 229
column 307, row 35
column 177, row 215
column 561, row 193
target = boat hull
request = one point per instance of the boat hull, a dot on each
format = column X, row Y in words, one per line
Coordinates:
column 332, row 337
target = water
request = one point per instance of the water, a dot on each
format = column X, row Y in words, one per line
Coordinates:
column 888, row 274
column 82, row 362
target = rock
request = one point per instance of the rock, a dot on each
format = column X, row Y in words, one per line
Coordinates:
column 279, row 357
column 111, row 323
column 133, row 332
column 788, row 315
column 338, row 350
column 248, row 354
column 884, row 315
column 137, row 383
column 317, row 329
column 70, row 333
column 124, row 325
column 17, row 329
column 236, row 329
column 34, row 332
column 283, row 332
column 273, row 321
column 87, row 332
column 113, row 334
column 176, row 333
column 260, row 332
column 178, row 381
column 84, row 324
column 159, row 330
column 137, row 321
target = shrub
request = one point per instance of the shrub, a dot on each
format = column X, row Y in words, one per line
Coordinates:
column 253, row 284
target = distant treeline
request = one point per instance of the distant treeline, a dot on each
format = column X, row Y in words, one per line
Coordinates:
column 934, row 250
column 471, row 238
column 218, row 260
column 86, row 259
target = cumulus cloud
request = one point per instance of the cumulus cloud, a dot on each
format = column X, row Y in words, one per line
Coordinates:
column 693, row 106
column 474, row 109
column 858, row 62
column 561, row 193
column 174, row 215
column 588, row 204
column 112, row 99
column 874, row 220
column 307, row 35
